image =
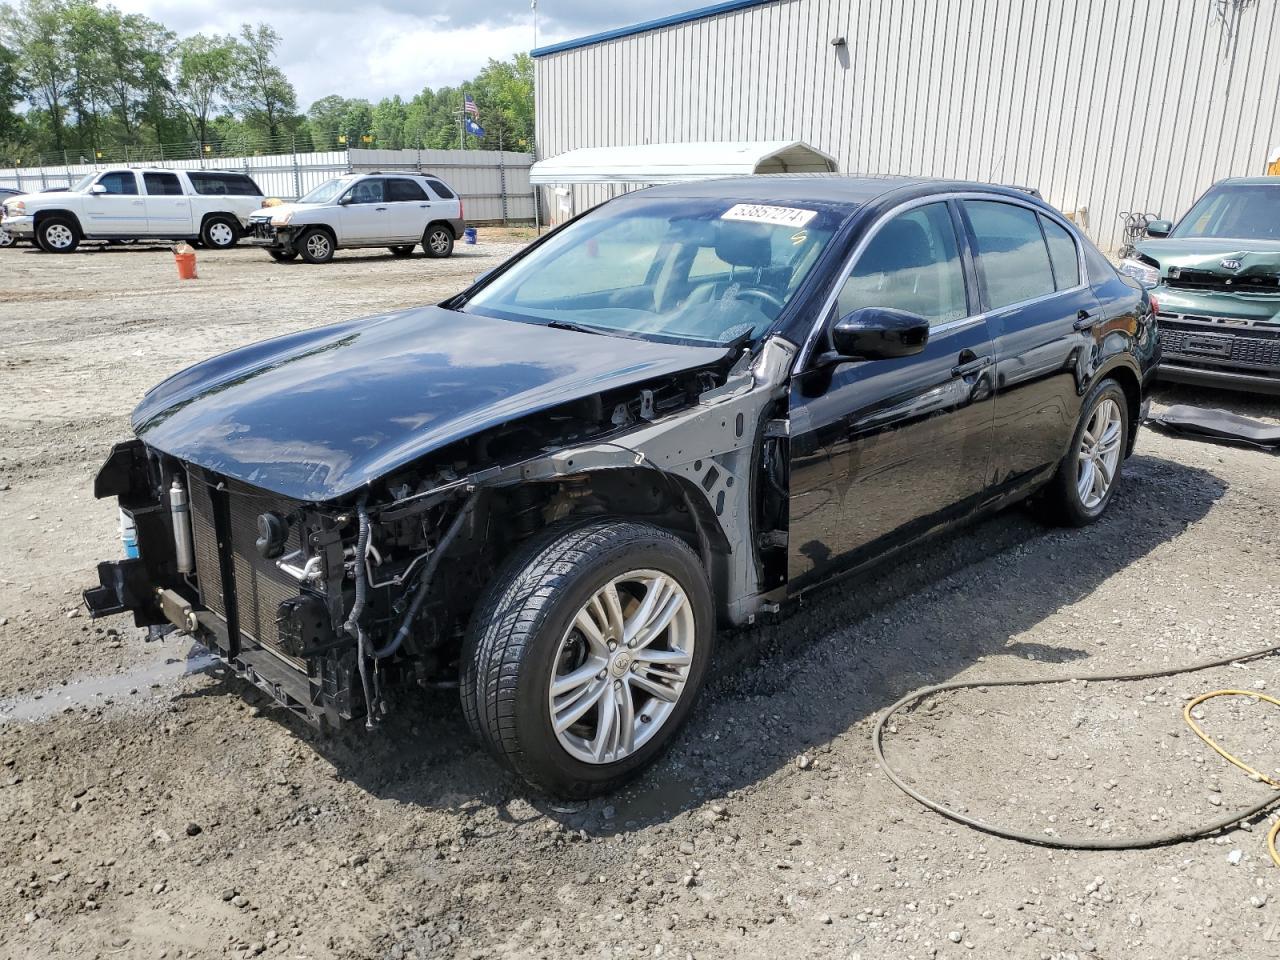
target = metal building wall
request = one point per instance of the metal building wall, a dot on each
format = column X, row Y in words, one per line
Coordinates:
column 1104, row 105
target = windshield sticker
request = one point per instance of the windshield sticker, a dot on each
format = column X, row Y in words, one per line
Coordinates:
column 761, row 213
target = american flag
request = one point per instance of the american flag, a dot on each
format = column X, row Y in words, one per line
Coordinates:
column 469, row 105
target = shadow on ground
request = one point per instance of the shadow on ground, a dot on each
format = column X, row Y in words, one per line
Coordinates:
column 783, row 688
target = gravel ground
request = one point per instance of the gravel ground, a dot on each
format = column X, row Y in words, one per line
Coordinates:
column 151, row 808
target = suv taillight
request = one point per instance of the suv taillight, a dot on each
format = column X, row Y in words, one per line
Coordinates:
column 461, row 215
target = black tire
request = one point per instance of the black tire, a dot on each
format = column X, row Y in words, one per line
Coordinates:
column 402, row 250
column 282, row 256
column 65, row 235
column 315, row 246
column 437, row 241
column 220, row 233
column 514, row 638
column 1061, row 501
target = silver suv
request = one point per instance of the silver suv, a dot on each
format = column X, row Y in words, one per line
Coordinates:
column 393, row 210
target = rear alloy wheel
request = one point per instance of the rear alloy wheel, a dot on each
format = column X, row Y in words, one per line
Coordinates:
column 1088, row 476
column 6, row 239
column 587, row 654
column 58, row 235
column 219, row 233
column 402, row 250
column 315, row 246
column 438, row 242
column 283, row 256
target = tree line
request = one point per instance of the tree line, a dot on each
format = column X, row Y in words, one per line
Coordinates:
column 83, row 79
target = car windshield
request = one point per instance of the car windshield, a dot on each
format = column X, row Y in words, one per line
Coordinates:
column 1244, row 211
column 685, row 270
column 327, row 192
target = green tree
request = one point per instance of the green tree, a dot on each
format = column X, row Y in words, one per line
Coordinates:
column 324, row 121
column 356, row 121
column 12, row 127
column 504, row 93
column 260, row 90
column 37, row 31
column 202, row 76
column 388, row 123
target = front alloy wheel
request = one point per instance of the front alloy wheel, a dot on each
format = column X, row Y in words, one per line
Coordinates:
column 587, row 652
column 58, row 235
column 622, row 667
column 316, row 246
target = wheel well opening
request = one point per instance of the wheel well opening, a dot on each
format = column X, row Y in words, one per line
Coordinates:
column 42, row 215
column 443, row 223
column 1132, row 388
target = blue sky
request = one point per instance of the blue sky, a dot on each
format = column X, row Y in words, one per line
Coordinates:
column 393, row 46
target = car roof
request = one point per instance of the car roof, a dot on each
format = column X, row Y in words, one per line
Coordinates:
column 1251, row 181
column 833, row 188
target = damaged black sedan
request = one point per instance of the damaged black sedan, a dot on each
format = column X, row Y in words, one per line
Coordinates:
column 681, row 410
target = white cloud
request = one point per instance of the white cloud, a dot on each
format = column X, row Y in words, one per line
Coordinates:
column 389, row 47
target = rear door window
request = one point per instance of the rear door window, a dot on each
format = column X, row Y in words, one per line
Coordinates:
column 121, row 182
column 1012, row 255
column 162, row 184
column 1062, row 255
column 402, row 191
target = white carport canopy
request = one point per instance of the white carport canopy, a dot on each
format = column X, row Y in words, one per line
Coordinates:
column 676, row 162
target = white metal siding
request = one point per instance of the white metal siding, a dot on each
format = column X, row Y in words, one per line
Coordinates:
column 1103, row 105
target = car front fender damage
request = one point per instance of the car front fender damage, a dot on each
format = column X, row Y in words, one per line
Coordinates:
column 329, row 606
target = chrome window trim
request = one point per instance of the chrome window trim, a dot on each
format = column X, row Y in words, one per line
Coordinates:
column 806, row 351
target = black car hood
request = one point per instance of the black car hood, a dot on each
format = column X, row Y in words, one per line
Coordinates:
column 316, row 415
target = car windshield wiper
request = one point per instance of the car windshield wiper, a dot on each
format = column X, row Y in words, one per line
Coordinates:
column 576, row 327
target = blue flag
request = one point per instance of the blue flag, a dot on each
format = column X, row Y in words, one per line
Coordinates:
column 474, row 128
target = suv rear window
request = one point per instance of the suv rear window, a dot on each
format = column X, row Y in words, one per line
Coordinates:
column 223, row 184
column 441, row 191
column 403, row 190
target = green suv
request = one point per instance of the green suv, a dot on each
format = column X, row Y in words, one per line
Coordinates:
column 1215, row 286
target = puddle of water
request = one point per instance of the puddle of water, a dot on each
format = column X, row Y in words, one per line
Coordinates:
column 133, row 686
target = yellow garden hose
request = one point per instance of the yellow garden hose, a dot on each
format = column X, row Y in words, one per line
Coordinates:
column 1231, row 758
column 1093, row 843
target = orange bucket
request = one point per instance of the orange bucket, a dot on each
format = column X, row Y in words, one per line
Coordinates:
column 185, row 258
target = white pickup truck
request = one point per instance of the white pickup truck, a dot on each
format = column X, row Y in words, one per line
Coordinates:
column 210, row 206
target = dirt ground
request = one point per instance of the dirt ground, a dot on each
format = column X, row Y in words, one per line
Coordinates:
column 150, row 808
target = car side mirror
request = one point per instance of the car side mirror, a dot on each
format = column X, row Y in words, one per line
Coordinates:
column 1159, row 228
column 347, row 201
column 97, row 190
column 878, row 333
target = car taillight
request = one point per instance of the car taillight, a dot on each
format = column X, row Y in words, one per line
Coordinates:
column 461, row 215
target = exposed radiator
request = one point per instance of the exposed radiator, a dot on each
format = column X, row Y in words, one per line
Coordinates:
column 260, row 586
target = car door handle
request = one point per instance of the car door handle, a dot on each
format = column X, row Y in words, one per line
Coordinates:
column 970, row 366
column 1086, row 319
column 380, row 209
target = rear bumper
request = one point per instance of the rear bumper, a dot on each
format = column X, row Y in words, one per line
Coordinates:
column 1216, row 377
